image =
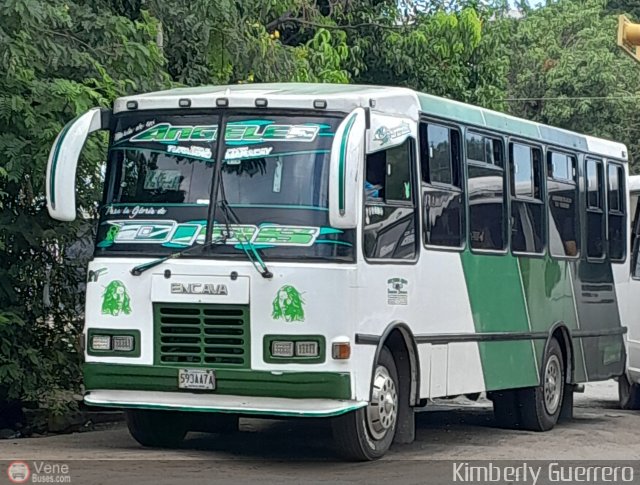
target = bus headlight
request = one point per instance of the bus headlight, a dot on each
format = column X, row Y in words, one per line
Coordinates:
column 306, row 349
column 281, row 349
column 101, row 342
column 290, row 349
column 123, row 343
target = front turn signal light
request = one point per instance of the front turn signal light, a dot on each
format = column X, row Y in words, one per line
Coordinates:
column 341, row 350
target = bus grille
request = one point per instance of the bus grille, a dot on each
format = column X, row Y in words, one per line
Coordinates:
column 201, row 335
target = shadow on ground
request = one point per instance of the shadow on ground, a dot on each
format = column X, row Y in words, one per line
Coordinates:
column 311, row 439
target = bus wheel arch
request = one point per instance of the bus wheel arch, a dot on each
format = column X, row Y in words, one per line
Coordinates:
column 399, row 340
column 562, row 335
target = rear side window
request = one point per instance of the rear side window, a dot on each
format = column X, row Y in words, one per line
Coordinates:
column 485, row 186
column 562, row 196
column 616, row 212
column 595, row 209
column 527, row 204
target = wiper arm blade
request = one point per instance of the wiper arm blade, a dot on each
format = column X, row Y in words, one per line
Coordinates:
column 141, row 268
column 262, row 269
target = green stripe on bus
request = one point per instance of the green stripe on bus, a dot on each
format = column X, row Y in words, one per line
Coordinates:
column 498, row 305
column 550, row 299
column 234, row 382
column 341, row 165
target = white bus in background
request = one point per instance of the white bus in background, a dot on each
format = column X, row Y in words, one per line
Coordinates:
column 629, row 383
column 345, row 252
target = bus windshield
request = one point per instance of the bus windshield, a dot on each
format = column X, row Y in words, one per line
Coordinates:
column 275, row 176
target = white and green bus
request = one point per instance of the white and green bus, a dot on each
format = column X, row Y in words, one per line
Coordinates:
column 346, row 252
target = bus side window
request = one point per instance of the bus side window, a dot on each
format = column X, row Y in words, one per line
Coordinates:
column 616, row 212
column 595, row 209
column 389, row 229
column 485, row 186
column 442, row 195
column 527, row 204
column 562, row 197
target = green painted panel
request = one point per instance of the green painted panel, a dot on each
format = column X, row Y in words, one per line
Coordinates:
column 201, row 335
column 547, row 286
column 435, row 106
column 557, row 136
column 508, row 124
column 549, row 296
column 494, row 120
column 240, row 382
column 498, row 305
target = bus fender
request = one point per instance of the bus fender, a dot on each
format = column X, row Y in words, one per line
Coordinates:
column 563, row 334
column 412, row 351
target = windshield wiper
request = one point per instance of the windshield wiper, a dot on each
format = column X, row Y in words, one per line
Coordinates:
column 252, row 253
column 141, row 268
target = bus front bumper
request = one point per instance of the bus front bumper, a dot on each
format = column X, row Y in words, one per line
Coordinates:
column 182, row 401
column 246, row 391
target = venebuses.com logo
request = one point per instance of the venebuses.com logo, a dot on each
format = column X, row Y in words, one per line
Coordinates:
column 38, row 472
column 18, row 472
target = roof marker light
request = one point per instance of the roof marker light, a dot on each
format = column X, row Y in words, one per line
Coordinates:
column 319, row 103
column 222, row 102
column 132, row 105
column 261, row 103
column 184, row 103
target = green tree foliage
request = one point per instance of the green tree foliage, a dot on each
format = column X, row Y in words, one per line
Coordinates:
column 435, row 48
column 567, row 71
column 631, row 8
column 57, row 59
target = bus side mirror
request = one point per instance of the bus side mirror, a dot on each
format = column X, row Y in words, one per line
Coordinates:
column 345, row 181
column 63, row 161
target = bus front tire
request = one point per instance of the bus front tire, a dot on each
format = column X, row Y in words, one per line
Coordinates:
column 628, row 393
column 367, row 433
column 156, row 429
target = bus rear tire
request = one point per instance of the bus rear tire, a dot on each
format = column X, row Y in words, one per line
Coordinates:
column 540, row 406
column 367, row 433
column 628, row 393
column 156, row 429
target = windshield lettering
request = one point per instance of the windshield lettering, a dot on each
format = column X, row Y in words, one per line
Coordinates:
column 166, row 133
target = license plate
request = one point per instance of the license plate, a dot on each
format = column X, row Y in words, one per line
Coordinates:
column 204, row 379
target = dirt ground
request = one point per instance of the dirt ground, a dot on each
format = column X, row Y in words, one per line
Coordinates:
column 295, row 451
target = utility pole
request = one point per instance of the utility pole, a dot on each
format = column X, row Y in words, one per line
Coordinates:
column 629, row 37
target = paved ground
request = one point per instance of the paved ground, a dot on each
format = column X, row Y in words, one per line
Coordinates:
column 300, row 450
